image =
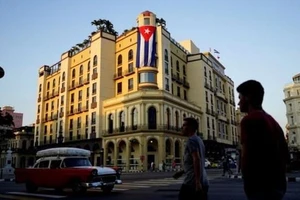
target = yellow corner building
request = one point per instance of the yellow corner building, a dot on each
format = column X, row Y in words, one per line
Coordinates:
column 125, row 98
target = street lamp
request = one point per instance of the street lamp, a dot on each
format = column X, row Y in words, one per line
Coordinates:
column 102, row 156
column 2, row 73
column 60, row 138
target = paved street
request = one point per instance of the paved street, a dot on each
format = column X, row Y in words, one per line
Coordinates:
column 145, row 186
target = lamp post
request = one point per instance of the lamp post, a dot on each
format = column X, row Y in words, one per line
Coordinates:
column 60, row 138
column 2, row 73
column 101, row 157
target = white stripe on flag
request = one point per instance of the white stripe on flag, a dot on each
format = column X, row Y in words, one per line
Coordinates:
column 150, row 49
column 142, row 50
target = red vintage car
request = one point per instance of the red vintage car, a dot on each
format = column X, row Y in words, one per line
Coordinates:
column 61, row 168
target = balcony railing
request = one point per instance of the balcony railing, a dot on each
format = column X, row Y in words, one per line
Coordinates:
column 143, row 128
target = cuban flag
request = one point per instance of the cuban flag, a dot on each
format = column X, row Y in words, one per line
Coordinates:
column 146, row 48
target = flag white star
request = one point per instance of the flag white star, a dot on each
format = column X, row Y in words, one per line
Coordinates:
column 147, row 31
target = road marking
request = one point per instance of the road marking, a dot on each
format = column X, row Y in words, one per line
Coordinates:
column 17, row 197
column 37, row 195
column 133, row 186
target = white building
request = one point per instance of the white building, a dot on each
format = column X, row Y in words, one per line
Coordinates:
column 292, row 102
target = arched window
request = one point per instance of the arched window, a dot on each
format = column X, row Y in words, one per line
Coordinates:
column 151, row 118
column 48, row 85
column 134, row 119
column 176, row 120
column 89, row 66
column 122, row 121
column 130, row 55
column 81, row 70
column 110, row 123
column 168, row 118
column 95, row 61
column 120, row 60
column 53, row 83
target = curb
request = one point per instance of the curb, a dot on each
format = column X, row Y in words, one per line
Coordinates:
column 141, row 171
column 288, row 179
column 7, row 180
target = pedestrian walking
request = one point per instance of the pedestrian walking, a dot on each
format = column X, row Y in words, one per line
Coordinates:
column 264, row 148
column 195, row 184
column 226, row 165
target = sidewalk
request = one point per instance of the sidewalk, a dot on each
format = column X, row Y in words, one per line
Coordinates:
column 290, row 177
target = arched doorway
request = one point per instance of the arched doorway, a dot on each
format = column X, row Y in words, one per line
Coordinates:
column 134, row 159
column 121, row 161
column 95, row 156
column 177, row 156
column 152, row 148
column 110, row 161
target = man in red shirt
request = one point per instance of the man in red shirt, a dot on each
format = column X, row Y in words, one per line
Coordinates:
column 264, row 148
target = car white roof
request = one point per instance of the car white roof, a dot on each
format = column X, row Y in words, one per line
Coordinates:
column 63, row 151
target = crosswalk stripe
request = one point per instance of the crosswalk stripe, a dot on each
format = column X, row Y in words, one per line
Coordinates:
column 133, row 186
column 37, row 195
column 16, row 197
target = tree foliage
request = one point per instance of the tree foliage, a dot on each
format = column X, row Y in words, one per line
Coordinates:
column 6, row 125
column 105, row 26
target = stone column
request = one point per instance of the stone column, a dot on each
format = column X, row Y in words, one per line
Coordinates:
column 128, row 152
column 116, row 154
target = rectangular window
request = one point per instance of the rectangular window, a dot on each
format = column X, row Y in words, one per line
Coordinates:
column 146, row 21
column 166, row 68
column 119, row 88
column 94, row 88
column 167, row 84
column 130, row 84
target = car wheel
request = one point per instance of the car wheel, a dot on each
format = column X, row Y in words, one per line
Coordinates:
column 107, row 189
column 77, row 187
column 31, row 187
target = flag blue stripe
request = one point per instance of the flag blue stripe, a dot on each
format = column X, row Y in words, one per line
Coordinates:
column 146, row 53
column 152, row 64
column 138, row 51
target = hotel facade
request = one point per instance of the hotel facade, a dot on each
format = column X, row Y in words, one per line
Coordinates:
column 125, row 98
column 292, row 103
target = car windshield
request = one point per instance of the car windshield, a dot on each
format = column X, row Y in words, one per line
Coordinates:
column 77, row 162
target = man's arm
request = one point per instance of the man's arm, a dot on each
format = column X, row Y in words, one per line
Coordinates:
column 197, row 166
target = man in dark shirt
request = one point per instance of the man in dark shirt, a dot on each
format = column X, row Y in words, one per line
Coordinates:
column 264, row 148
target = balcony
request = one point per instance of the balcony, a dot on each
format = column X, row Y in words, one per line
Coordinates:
column 208, row 111
column 232, row 102
column 177, row 79
column 206, row 85
column 129, row 72
column 94, row 105
column 118, row 75
column 63, row 89
column 86, row 81
column 142, row 128
column 186, row 84
column 94, row 76
column 70, row 112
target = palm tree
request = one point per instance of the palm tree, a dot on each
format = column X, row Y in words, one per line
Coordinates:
column 80, row 45
column 86, row 42
column 104, row 25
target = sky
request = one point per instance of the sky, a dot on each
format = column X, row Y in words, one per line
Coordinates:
column 256, row 39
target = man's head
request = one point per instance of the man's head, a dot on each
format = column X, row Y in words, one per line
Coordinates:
column 190, row 126
column 251, row 95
